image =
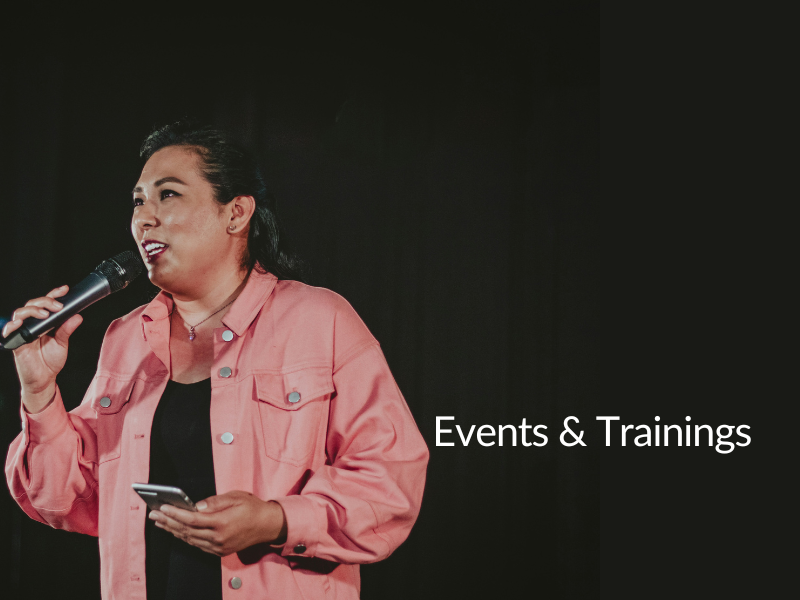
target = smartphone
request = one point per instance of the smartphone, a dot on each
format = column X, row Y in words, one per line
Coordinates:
column 157, row 495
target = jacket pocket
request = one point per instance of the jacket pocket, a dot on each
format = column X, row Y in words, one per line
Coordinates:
column 109, row 397
column 294, row 412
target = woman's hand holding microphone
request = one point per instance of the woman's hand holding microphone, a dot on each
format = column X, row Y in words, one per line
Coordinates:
column 226, row 523
column 41, row 360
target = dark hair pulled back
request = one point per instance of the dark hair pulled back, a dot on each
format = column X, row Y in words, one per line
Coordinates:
column 233, row 171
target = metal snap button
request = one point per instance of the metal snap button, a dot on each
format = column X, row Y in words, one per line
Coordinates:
column 226, row 437
column 294, row 397
column 300, row 548
column 105, row 402
column 236, row 583
column 225, row 372
column 227, row 335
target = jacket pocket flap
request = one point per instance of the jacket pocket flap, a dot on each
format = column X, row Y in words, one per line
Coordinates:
column 291, row 391
column 110, row 395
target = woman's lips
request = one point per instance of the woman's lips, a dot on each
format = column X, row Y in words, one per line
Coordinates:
column 153, row 249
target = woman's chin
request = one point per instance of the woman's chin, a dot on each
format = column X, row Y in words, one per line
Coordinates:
column 159, row 276
column 172, row 281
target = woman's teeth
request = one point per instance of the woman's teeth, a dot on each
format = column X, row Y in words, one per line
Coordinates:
column 153, row 248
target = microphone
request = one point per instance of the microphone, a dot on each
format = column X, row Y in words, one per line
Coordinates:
column 110, row 276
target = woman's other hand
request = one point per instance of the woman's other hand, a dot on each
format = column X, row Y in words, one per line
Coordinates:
column 226, row 523
column 40, row 361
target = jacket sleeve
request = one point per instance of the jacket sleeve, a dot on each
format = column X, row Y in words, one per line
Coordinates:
column 51, row 467
column 360, row 506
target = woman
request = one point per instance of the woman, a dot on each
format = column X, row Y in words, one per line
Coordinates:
column 266, row 400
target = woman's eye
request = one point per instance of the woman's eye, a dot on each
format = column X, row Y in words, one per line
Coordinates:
column 168, row 193
column 138, row 201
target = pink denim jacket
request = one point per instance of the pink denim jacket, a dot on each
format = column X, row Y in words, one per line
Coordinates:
column 344, row 459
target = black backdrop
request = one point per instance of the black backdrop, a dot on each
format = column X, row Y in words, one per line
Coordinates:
column 530, row 230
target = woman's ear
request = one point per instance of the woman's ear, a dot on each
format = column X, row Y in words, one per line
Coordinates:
column 241, row 210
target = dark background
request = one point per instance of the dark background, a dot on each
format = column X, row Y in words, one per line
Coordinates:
column 539, row 212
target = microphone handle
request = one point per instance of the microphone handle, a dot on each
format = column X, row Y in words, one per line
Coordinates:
column 87, row 292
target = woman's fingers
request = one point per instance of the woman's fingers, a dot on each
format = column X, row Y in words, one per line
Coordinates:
column 10, row 327
column 58, row 292
column 67, row 329
column 188, row 518
column 193, row 537
column 20, row 315
column 203, row 538
column 45, row 302
column 29, row 311
column 39, row 308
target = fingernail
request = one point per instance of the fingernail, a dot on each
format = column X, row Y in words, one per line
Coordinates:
column 202, row 505
column 43, row 312
column 59, row 305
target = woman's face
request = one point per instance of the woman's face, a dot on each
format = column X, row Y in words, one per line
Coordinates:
column 179, row 227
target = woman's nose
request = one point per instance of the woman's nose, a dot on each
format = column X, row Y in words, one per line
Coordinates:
column 145, row 217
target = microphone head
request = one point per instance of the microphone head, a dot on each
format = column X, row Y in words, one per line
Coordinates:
column 121, row 269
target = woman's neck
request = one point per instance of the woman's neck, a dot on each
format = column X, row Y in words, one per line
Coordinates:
column 198, row 305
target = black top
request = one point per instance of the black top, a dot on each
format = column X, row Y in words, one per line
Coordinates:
column 181, row 456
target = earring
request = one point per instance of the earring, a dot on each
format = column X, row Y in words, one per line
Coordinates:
column 232, row 227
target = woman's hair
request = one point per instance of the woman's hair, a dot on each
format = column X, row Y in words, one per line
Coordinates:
column 233, row 171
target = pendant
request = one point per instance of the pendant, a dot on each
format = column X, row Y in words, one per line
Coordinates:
column 191, row 334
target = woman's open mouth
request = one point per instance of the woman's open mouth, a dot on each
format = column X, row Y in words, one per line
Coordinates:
column 153, row 249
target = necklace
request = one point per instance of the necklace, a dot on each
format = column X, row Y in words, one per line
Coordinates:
column 191, row 327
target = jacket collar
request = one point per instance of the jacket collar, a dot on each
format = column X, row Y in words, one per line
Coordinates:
column 243, row 311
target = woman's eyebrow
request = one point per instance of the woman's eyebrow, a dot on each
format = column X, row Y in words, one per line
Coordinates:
column 161, row 181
